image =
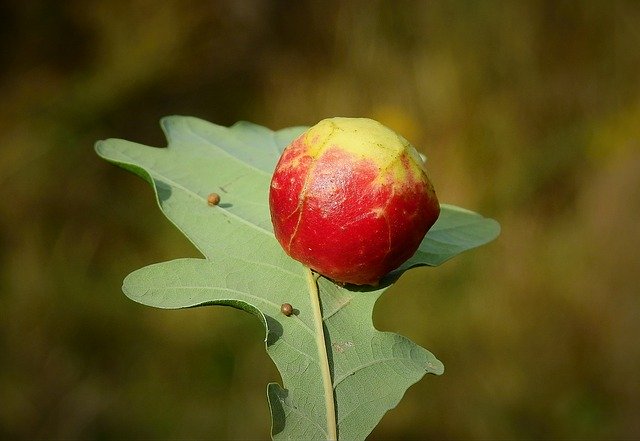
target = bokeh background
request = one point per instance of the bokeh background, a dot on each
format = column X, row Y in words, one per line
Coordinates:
column 529, row 112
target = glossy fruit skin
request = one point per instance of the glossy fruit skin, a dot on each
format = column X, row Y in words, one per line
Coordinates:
column 351, row 199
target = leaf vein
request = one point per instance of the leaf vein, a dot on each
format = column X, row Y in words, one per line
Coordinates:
column 353, row 371
column 212, row 144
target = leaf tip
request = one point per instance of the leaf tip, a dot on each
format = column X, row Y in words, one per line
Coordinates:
column 100, row 148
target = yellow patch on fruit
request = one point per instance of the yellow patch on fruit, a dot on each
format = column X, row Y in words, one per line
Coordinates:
column 368, row 140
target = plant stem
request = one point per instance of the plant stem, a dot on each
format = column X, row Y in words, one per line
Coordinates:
column 322, row 356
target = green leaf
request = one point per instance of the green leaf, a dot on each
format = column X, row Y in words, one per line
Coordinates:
column 455, row 231
column 340, row 374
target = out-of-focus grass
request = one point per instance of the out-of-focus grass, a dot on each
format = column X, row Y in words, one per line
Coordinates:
column 529, row 112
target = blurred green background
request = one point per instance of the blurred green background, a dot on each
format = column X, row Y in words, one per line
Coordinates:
column 529, row 112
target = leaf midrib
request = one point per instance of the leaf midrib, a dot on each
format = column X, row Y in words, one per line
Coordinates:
column 323, row 355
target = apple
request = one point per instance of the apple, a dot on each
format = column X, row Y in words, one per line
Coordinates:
column 351, row 199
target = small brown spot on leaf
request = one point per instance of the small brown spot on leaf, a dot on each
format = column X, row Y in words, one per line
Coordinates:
column 213, row 199
column 286, row 309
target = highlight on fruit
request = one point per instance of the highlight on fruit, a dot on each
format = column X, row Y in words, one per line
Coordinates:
column 351, row 199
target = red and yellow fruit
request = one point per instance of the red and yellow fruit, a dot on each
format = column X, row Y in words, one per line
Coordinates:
column 351, row 199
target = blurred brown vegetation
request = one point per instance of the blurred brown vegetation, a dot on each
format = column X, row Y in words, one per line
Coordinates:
column 529, row 112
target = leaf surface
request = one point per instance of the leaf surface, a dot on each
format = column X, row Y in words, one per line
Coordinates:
column 243, row 266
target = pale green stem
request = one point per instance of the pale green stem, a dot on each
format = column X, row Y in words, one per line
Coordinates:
column 322, row 356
